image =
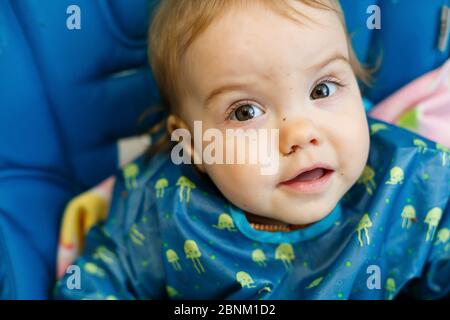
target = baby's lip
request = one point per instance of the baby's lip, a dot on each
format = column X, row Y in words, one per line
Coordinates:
column 326, row 168
column 310, row 180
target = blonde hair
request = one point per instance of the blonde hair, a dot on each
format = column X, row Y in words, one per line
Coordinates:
column 177, row 23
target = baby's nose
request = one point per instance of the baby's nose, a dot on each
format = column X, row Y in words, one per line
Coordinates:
column 298, row 135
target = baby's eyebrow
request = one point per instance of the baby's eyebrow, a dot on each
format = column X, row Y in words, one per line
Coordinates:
column 335, row 56
column 225, row 88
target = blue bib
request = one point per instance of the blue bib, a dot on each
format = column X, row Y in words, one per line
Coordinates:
column 171, row 234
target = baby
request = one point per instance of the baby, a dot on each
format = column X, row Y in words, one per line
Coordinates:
column 212, row 230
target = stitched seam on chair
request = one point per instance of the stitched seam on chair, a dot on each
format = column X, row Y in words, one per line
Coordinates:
column 39, row 175
column 114, row 28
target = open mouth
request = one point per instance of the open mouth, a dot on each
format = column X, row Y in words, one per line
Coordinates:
column 311, row 180
column 311, row 175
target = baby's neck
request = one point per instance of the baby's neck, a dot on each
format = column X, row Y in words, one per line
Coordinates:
column 271, row 225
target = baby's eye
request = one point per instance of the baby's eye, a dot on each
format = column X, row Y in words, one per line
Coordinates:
column 246, row 112
column 323, row 90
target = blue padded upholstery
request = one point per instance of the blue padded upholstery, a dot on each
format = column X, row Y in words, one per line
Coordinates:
column 407, row 41
column 67, row 96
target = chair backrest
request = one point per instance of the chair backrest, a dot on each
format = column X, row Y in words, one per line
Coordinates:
column 407, row 42
column 66, row 97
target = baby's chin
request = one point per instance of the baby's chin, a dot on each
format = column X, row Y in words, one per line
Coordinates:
column 304, row 216
column 299, row 215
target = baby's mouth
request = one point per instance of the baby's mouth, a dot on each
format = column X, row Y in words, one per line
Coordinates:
column 311, row 180
column 311, row 175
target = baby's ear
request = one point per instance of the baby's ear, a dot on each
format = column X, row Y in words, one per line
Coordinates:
column 173, row 123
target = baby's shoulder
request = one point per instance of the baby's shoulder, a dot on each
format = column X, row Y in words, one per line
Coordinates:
column 149, row 184
column 387, row 136
column 134, row 186
column 400, row 152
column 403, row 166
column 143, row 170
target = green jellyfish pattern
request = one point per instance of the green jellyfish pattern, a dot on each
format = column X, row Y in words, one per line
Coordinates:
column 225, row 222
column 367, row 178
column 445, row 153
column 136, row 236
column 314, row 283
column 193, row 253
column 173, row 259
column 185, row 185
column 421, row 145
column 94, row 269
column 364, row 225
column 130, row 173
column 408, row 216
column 432, row 219
column 390, row 288
column 245, row 280
column 265, row 289
column 396, row 176
column 442, row 236
column 104, row 254
column 172, row 292
column 259, row 257
column 160, row 185
column 409, row 119
column 376, row 127
column 285, row 253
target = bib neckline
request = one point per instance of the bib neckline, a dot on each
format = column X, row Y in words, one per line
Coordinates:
column 300, row 235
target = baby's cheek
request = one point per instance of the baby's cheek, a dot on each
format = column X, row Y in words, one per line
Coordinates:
column 353, row 147
column 346, row 133
column 240, row 184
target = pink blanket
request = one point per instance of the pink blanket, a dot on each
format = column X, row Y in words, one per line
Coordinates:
column 422, row 106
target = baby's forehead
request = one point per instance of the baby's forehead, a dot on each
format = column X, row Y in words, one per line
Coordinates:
column 261, row 40
column 261, row 27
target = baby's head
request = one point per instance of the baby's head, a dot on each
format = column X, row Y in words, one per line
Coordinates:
column 266, row 64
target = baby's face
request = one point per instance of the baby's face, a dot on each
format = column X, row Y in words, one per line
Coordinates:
column 285, row 75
